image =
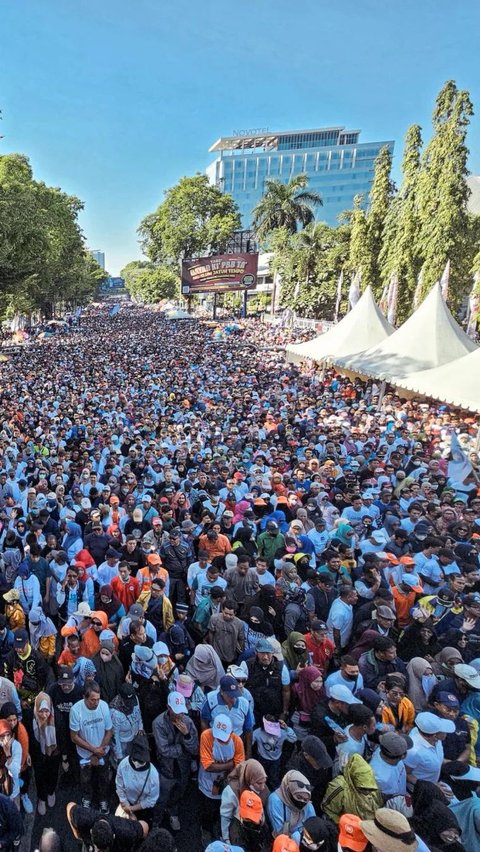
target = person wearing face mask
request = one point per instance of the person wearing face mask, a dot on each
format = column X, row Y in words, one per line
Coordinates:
column 44, row 752
column 318, row 834
column 137, row 782
column 289, row 806
column 247, row 776
column 421, row 681
column 294, row 651
column 109, row 669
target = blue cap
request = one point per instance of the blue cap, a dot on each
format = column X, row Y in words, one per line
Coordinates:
column 263, row 647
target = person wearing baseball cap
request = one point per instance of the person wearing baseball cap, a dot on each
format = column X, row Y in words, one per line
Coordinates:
column 456, row 746
column 331, row 716
column 319, row 646
column 268, row 683
column 220, row 751
column 464, row 681
column 351, row 836
column 405, row 594
column 424, row 759
column 176, row 743
column 228, row 700
column 388, row 763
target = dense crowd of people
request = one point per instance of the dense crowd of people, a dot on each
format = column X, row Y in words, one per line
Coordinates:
column 234, row 582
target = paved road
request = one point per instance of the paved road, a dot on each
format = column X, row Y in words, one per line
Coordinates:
column 188, row 840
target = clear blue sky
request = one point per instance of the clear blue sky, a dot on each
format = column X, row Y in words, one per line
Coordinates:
column 114, row 100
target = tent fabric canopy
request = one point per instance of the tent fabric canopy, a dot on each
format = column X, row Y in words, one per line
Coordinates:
column 363, row 326
column 430, row 338
column 456, row 383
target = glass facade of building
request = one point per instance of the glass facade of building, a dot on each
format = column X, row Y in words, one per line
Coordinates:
column 337, row 165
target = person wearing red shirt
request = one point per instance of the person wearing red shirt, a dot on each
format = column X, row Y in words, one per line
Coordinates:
column 320, row 648
column 125, row 587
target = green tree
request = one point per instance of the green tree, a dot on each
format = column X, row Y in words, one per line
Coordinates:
column 285, row 205
column 359, row 258
column 399, row 252
column 43, row 262
column 379, row 202
column 309, row 264
column 150, row 283
column 443, row 193
column 195, row 218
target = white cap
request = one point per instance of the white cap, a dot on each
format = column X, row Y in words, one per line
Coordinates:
column 429, row 723
column 176, row 702
column 339, row 692
column 222, row 727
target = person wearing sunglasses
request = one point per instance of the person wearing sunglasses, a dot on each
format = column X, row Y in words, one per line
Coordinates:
column 289, row 806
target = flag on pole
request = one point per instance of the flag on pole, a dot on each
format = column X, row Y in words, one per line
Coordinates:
column 339, row 295
column 392, row 299
column 354, row 291
column 114, row 311
column 459, row 466
column 474, row 306
column 444, row 280
column 417, row 298
column 383, row 303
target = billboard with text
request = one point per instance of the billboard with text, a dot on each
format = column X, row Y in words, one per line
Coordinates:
column 223, row 273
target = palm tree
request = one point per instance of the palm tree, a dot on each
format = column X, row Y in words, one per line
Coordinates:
column 285, row 205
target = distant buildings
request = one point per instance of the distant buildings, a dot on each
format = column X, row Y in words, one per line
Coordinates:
column 99, row 256
column 337, row 164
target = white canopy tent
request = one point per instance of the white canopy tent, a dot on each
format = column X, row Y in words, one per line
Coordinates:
column 362, row 327
column 430, row 338
column 456, row 383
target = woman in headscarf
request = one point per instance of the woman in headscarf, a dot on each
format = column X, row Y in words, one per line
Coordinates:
column 42, row 633
column 289, row 579
column 354, row 792
column 398, row 711
column 256, row 628
column 205, row 667
column 318, row 834
column 180, row 644
column 302, row 515
column 289, row 806
column 9, row 712
column 421, row 681
column 244, row 541
column 108, row 603
column 433, row 820
column 240, row 508
column 418, row 640
column 44, row 752
column 445, row 661
column 72, row 542
column 110, row 673
column 248, row 775
column 137, row 782
column 343, row 534
column 307, row 692
column 294, row 651
column 126, row 719
column 84, row 670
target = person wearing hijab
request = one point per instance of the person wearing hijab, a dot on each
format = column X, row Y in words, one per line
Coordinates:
column 137, row 782
column 245, row 542
column 248, row 775
column 354, row 792
column 433, row 820
column 445, row 661
column 109, row 669
column 126, row 719
column 318, row 834
column 42, row 633
column 398, row 711
column 418, row 640
column 289, row 806
column 72, row 542
column 343, row 534
column 180, row 644
column 9, row 712
column 256, row 628
column 294, row 651
column 421, row 681
column 109, row 603
column 307, row 692
column 205, row 667
column 84, row 670
column 44, row 752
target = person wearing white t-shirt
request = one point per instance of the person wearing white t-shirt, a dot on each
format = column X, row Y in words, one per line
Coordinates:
column 91, row 729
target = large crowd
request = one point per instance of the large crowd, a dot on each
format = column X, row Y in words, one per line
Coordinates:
column 234, row 582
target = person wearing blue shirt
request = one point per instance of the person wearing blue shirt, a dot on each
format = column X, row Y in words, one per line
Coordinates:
column 289, row 806
column 228, row 700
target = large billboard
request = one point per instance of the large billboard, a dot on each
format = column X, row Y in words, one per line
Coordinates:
column 222, row 273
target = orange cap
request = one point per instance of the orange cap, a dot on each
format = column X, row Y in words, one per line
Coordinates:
column 351, row 834
column 251, row 807
column 284, row 843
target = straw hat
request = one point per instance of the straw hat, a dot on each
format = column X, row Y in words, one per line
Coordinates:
column 389, row 832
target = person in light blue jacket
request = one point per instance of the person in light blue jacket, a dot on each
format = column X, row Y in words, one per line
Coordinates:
column 290, row 805
column 137, row 781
